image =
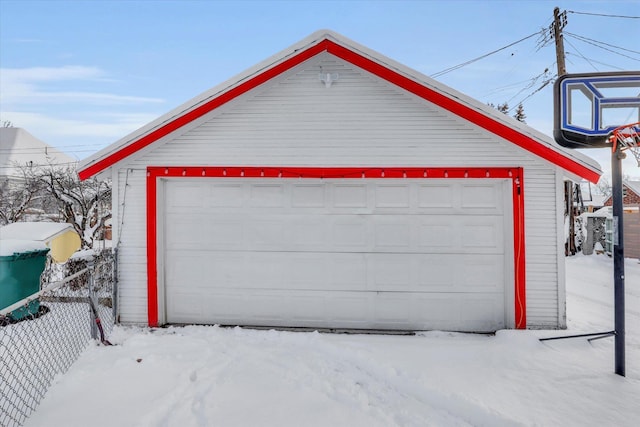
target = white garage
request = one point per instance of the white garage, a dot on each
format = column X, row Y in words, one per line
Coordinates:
column 373, row 199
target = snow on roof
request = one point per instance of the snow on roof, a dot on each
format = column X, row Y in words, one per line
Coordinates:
column 19, row 147
column 605, row 211
column 596, row 200
column 41, row 231
column 634, row 186
column 9, row 247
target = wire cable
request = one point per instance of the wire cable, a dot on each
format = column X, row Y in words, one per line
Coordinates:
column 544, row 84
column 600, row 42
column 604, row 48
column 603, row 14
column 598, row 62
column 581, row 55
column 455, row 67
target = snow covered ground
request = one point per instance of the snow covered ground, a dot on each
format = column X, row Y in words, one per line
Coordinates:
column 210, row 376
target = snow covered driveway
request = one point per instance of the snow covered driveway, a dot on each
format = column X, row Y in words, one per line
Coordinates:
column 210, row 376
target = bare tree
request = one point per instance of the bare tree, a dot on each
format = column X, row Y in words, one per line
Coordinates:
column 17, row 196
column 604, row 187
column 84, row 204
column 50, row 189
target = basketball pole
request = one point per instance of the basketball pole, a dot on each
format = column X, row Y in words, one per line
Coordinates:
column 618, row 258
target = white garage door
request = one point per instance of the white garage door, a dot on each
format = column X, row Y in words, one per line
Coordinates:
column 367, row 253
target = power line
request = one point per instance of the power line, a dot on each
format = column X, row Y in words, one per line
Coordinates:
column 583, row 38
column 603, row 14
column 28, row 151
column 506, row 87
column 608, row 50
column 455, row 67
column 40, row 165
column 544, row 84
column 601, row 63
column 582, row 56
column 532, row 83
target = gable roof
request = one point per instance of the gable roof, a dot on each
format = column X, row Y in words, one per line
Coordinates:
column 327, row 41
column 19, row 148
column 633, row 186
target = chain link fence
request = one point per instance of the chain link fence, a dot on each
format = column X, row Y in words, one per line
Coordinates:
column 43, row 335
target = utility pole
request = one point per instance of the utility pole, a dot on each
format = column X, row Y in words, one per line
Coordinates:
column 559, row 22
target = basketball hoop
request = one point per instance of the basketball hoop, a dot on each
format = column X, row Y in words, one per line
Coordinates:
column 628, row 136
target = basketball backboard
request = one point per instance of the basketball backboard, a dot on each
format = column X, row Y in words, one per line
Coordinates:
column 588, row 107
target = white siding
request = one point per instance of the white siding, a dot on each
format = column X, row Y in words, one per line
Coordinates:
column 360, row 120
column 541, row 247
column 132, row 245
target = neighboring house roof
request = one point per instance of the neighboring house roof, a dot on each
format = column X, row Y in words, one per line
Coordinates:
column 19, row 148
column 44, row 231
column 597, row 200
column 420, row 85
column 633, row 186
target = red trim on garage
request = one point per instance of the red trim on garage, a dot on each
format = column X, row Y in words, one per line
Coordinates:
column 515, row 174
column 369, row 65
column 152, row 248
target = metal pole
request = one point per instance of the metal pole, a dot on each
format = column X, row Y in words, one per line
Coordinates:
column 618, row 258
column 92, row 315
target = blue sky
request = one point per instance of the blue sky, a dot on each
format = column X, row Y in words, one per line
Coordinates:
column 82, row 74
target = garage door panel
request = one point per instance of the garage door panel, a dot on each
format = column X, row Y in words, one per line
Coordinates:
column 225, row 234
column 345, row 310
column 338, row 233
column 185, row 267
column 266, row 195
column 224, row 195
column 349, row 233
column 339, row 271
column 185, row 196
column 308, row 196
column 336, row 253
column 482, row 235
column 180, row 234
column 392, row 309
column 480, row 274
column 481, row 196
column 309, row 232
column 350, row 195
column 437, row 273
column 485, row 313
column 461, row 233
column 439, row 196
column 264, row 234
column 391, row 233
column 392, row 196
column 349, row 309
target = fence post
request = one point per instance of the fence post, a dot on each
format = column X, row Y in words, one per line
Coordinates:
column 93, row 325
